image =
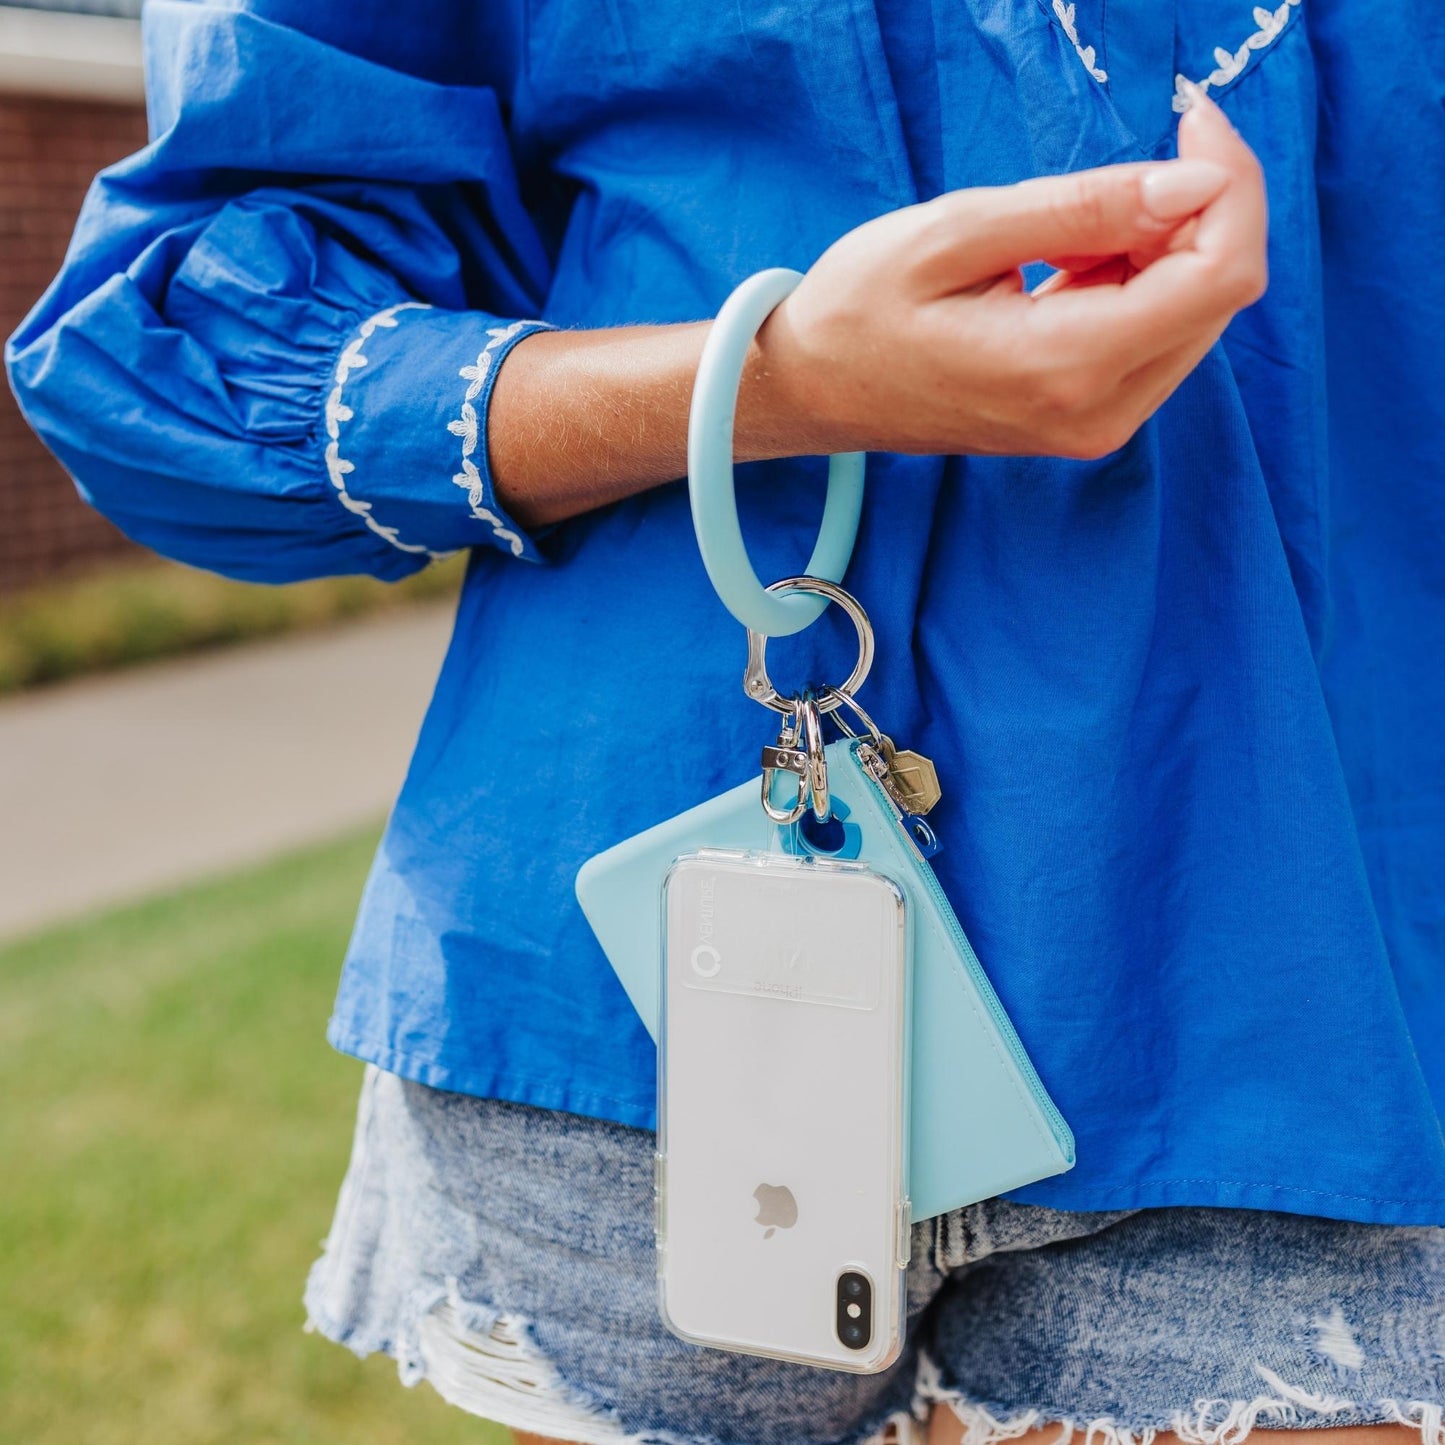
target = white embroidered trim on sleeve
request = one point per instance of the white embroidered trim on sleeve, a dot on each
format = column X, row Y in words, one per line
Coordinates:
column 338, row 413
column 468, row 428
column 1270, row 24
column 1085, row 52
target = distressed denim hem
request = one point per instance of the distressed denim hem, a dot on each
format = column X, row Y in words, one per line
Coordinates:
column 1204, row 1422
column 486, row 1362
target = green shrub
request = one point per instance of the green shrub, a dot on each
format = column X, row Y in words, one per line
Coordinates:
column 150, row 610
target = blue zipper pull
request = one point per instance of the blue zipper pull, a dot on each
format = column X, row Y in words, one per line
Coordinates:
column 920, row 831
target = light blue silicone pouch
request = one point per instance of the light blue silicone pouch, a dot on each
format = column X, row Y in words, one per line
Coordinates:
column 981, row 1122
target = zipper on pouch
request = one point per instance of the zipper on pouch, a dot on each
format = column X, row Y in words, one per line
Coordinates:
column 886, row 795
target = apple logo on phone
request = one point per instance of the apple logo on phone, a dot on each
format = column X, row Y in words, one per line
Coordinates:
column 777, row 1209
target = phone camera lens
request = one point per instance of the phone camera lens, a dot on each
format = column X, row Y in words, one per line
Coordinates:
column 853, row 1301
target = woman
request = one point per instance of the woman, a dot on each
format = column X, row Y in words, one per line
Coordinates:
column 1166, row 611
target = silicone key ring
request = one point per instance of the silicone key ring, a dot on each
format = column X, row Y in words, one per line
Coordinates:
column 710, row 474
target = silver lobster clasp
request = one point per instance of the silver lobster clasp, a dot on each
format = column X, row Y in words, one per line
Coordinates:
column 799, row 752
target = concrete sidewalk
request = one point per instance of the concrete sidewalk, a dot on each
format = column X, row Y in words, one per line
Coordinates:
column 116, row 787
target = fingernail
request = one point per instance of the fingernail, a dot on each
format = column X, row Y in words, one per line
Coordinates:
column 1199, row 102
column 1192, row 93
column 1175, row 189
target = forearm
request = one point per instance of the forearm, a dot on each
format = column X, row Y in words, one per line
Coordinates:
column 914, row 333
column 582, row 418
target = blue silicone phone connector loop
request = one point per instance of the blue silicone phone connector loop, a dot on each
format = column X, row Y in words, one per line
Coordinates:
column 710, row 473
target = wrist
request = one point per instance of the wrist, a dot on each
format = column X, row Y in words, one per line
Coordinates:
column 782, row 409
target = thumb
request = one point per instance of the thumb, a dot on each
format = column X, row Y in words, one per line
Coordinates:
column 1238, row 223
column 1075, row 218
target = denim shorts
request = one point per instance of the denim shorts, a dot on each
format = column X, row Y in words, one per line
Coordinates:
column 505, row 1254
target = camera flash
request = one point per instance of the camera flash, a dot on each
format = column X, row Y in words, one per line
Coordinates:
column 854, row 1311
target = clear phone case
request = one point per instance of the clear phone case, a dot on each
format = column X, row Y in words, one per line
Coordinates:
column 783, row 1224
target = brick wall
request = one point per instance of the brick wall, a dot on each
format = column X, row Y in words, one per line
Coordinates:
column 49, row 150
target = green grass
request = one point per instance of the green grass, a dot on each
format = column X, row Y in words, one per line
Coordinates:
column 173, row 1130
column 147, row 610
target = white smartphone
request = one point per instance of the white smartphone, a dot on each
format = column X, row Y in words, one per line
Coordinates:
column 782, row 1216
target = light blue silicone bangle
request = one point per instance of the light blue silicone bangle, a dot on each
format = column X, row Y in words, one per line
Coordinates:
column 710, row 474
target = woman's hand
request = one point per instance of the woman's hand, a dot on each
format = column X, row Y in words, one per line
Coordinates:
column 914, row 333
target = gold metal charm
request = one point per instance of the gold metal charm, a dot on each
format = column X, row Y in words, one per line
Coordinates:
column 916, row 780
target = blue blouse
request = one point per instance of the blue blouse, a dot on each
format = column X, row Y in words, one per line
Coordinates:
column 1185, row 701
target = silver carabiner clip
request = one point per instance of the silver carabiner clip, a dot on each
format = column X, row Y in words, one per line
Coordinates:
column 759, row 686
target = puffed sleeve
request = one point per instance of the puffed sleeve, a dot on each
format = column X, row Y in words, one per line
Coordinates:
column 272, row 344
